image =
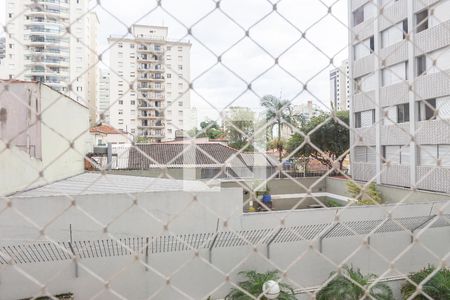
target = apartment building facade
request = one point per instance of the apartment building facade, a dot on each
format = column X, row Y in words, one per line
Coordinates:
column 340, row 86
column 400, row 65
column 103, row 95
column 150, row 76
column 2, row 49
column 39, row 47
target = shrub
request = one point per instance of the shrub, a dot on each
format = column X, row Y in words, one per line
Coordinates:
column 436, row 287
column 254, row 286
column 368, row 196
column 342, row 288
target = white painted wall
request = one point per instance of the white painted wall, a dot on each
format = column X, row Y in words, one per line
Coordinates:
column 183, row 275
column 63, row 121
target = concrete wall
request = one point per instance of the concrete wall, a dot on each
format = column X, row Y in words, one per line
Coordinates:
column 21, row 127
column 175, row 173
column 185, row 275
column 65, row 135
column 391, row 194
column 62, row 122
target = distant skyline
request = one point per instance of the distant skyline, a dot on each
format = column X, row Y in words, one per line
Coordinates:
column 218, row 85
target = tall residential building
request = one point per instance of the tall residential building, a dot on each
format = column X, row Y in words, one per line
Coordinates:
column 2, row 49
column 40, row 47
column 103, row 95
column 400, row 64
column 150, row 95
column 340, row 86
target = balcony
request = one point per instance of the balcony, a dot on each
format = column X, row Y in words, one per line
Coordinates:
column 151, row 78
column 151, row 69
column 150, row 88
column 151, row 117
column 147, row 59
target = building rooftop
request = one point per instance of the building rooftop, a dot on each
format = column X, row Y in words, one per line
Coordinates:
column 105, row 129
column 97, row 183
column 209, row 154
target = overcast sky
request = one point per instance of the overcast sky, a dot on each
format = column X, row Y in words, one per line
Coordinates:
column 219, row 86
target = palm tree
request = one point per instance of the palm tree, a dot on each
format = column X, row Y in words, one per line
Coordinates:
column 342, row 288
column 437, row 287
column 278, row 112
column 253, row 285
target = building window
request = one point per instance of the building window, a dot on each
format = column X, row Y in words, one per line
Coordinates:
column 364, row 13
column 120, row 102
column 358, row 16
column 180, row 103
column 364, row 48
column 365, row 154
column 427, row 110
column 403, row 113
column 133, row 102
column 421, row 65
column 394, row 34
column 398, row 155
column 365, row 118
column 180, row 67
column 120, row 112
column 394, row 74
column 132, row 46
column 430, row 154
column 390, row 115
column 365, row 83
column 422, row 21
column 168, row 75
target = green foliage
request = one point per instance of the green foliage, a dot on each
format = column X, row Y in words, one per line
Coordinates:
column 253, row 284
column 142, row 140
column 436, row 287
column 351, row 284
column 331, row 136
column 211, row 129
column 278, row 113
column 369, row 196
column 240, row 127
column 65, row 296
column 332, row 203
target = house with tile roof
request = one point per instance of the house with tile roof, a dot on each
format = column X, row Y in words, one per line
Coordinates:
column 200, row 160
column 103, row 134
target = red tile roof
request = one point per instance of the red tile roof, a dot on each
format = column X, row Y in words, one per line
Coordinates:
column 105, row 129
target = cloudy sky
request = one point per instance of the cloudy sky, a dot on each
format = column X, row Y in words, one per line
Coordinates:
column 252, row 59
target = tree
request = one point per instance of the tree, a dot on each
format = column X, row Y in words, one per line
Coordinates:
column 240, row 128
column 278, row 112
column 254, row 286
column 342, row 288
column 367, row 196
column 331, row 136
column 211, row 129
column 436, row 287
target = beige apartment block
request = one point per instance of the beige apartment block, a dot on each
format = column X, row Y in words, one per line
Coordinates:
column 39, row 46
column 150, row 76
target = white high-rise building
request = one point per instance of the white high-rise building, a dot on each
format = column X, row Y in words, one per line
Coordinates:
column 103, row 93
column 150, row 76
column 53, row 42
column 2, row 49
column 340, row 86
column 400, row 108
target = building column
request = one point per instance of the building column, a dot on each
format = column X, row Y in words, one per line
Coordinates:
column 413, row 114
